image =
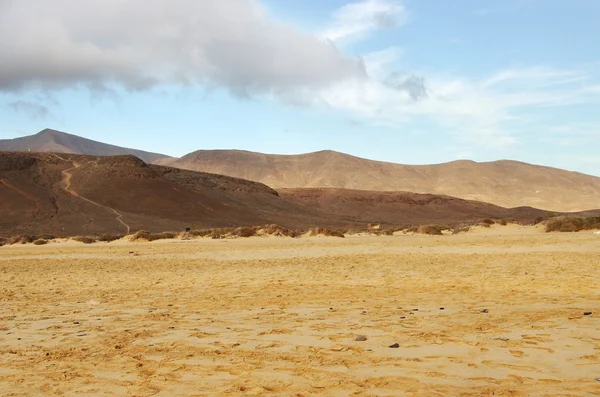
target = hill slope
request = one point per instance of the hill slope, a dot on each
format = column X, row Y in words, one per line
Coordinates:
column 61, row 142
column 69, row 194
column 504, row 183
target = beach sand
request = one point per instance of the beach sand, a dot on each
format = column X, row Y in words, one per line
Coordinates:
column 494, row 312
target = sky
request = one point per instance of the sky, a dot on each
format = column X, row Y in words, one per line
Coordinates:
column 407, row 81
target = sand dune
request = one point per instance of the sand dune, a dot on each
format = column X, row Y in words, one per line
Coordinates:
column 280, row 316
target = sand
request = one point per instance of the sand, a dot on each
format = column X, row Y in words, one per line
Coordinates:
column 280, row 316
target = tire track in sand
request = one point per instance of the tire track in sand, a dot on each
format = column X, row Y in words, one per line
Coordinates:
column 66, row 185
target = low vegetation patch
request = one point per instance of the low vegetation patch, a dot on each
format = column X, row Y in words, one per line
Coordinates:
column 461, row 229
column 568, row 224
column 145, row 235
column 321, row 231
column 430, row 229
column 84, row 239
column 40, row 241
column 107, row 237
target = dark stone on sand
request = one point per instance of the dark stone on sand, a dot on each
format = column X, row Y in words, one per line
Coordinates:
column 360, row 338
column 587, row 313
column 394, row 346
column 485, row 311
column 441, row 308
column 75, row 322
column 402, row 318
column 415, row 310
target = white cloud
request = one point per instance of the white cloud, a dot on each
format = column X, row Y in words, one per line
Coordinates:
column 486, row 112
column 236, row 45
column 141, row 43
column 355, row 20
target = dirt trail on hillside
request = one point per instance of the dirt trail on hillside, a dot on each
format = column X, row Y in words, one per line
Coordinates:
column 66, row 185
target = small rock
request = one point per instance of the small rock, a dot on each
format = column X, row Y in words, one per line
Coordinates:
column 441, row 308
column 81, row 334
column 75, row 322
column 402, row 317
column 587, row 313
column 485, row 311
column 415, row 310
column 360, row 338
column 394, row 346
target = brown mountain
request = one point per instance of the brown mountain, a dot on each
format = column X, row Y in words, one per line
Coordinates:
column 61, row 142
column 504, row 183
column 69, row 194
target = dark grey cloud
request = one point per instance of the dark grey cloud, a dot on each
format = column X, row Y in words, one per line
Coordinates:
column 34, row 110
column 138, row 44
column 412, row 84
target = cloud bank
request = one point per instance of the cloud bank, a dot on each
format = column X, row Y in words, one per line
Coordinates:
column 142, row 43
column 236, row 45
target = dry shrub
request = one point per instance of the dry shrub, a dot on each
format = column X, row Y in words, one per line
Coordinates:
column 276, row 230
column 145, row 235
column 567, row 224
column 430, row 229
column 140, row 235
column 3, row 241
column 487, row 221
column 326, row 232
column 244, row 232
column 212, row 233
column 461, row 229
column 502, row 222
column 40, row 241
column 85, row 239
column 23, row 239
column 107, row 237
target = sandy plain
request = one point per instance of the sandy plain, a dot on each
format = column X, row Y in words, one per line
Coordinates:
column 280, row 316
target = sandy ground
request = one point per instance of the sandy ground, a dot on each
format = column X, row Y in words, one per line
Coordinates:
column 279, row 316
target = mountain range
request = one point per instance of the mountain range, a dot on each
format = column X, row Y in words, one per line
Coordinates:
column 341, row 184
column 71, row 194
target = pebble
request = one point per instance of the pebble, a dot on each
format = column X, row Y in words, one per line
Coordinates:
column 75, row 322
column 394, row 346
column 81, row 334
column 441, row 308
column 415, row 310
column 402, row 318
column 485, row 311
column 587, row 313
column 360, row 338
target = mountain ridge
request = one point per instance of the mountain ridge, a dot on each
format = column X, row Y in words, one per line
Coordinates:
column 49, row 140
column 507, row 183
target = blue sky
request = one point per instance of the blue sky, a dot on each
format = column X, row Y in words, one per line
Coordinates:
column 414, row 81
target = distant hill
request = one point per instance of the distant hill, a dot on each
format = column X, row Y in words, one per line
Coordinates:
column 504, row 183
column 61, row 142
column 70, row 194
